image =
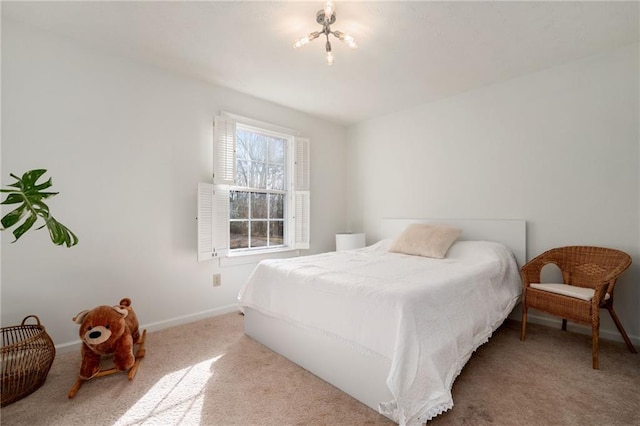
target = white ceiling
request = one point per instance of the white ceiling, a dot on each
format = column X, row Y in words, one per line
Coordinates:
column 410, row 52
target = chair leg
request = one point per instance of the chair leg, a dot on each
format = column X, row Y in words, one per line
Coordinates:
column 523, row 331
column 621, row 329
column 594, row 349
column 564, row 324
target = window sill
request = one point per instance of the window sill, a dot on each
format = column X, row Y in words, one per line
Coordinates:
column 244, row 258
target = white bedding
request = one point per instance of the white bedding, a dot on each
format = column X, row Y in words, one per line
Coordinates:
column 426, row 315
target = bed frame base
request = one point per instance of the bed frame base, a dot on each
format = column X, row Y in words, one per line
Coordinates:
column 361, row 375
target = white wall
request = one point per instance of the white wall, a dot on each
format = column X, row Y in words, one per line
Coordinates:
column 559, row 148
column 126, row 144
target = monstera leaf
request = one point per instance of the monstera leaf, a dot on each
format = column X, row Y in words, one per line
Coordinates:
column 30, row 195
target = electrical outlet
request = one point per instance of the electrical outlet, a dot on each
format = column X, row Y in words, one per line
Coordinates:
column 217, row 280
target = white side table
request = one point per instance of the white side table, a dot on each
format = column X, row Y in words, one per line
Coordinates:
column 349, row 241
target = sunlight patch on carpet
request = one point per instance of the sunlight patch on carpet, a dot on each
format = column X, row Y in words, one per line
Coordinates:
column 176, row 399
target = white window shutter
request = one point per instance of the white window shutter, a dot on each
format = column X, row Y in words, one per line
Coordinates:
column 224, row 150
column 302, row 219
column 302, row 197
column 220, row 222
column 205, row 221
column 213, row 221
column 302, row 170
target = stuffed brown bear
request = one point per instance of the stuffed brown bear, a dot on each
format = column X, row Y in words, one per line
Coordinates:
column 107, row 330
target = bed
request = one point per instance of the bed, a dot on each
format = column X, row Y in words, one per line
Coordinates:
column 391, row 330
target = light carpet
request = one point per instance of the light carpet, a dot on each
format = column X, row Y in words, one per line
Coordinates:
column 210, row 373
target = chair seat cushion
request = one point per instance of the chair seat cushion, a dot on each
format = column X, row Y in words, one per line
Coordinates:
column 568, row 290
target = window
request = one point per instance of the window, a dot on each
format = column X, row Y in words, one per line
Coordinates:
column 259, row 200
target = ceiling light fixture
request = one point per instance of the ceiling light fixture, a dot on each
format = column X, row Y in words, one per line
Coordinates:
column 326, row 17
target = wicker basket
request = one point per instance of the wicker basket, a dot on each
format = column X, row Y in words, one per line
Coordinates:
column 27, row 355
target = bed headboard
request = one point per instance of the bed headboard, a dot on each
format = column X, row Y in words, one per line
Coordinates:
column 510, row 232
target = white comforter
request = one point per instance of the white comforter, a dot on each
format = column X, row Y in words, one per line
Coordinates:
column 426, row 315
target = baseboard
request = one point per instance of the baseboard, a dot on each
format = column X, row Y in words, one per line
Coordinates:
column 160, row 325
column 554, row 322
column 516, row 315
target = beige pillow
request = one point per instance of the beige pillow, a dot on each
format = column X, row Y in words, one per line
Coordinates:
column 421, row 239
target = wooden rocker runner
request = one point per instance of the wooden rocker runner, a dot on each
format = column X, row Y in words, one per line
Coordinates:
column 140, row 352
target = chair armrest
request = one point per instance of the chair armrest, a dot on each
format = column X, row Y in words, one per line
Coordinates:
column 599, row 294
column 531, row 270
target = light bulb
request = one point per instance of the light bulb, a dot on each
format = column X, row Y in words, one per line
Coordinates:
column 329, row 8
column 301, row 42
column 306, row 39
column 346, row 38
column 351, row 42
column 329, row 58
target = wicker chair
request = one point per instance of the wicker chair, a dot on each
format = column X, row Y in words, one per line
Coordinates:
column 589, row 275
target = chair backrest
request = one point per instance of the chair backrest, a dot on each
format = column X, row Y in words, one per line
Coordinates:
column 587, row 266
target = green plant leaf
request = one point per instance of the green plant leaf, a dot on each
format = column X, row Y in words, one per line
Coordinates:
column 31, row 194
column 43, row 194
column 12, row 217
column 15, row 185
column 26, row 225
column 13, row 199
column 45, row 185
column 60, row 234
column 29, row 178
column 41, row 208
